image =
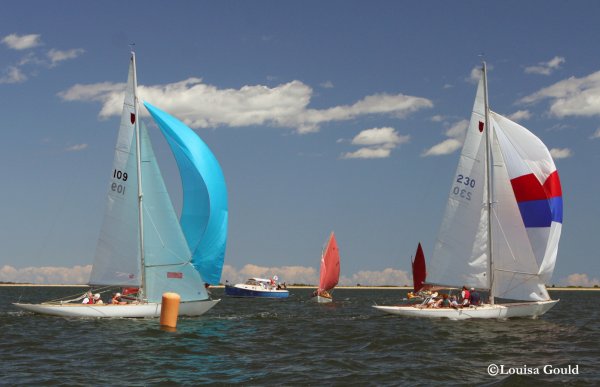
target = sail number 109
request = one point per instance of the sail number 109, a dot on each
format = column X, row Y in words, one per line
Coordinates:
column 116, row 187
column 463, row 187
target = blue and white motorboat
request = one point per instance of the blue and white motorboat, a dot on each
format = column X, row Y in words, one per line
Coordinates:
column 258, row 287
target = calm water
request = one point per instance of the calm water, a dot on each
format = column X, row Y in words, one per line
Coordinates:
column 294, row 342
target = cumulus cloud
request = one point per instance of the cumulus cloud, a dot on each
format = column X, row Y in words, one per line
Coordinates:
column 446, row 147
column 520, row 115
column 389, row 277
column 571, row 97
column 376, row 142
column 310, row 275
column 22, row 42
column 327, row 85
column 76, row 148
column 57, row 56
column 596, row 134
column 288, row 274
column 546, row 68
column 561, row 153
column 46, row 275
column 368, row 153
column 34, row 59
column 475, row 75
column 456, row 132
column 13, row 74
column 578, row 279
column 201, row 105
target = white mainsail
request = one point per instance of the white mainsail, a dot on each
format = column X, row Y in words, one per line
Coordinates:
column 116, row 261
column 460, row 252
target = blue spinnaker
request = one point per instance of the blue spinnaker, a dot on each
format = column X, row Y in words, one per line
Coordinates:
column 204, row 212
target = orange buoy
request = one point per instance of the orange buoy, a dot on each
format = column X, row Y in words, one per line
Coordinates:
column 169, row 309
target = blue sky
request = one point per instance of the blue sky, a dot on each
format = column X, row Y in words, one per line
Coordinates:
column 339, row 115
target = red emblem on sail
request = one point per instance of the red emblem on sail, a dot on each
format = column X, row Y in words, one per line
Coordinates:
column 132, row 118
column 172, row 274
column 480, row 126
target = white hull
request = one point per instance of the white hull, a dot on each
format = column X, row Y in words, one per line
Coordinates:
column 498, row 311
column 189, row 308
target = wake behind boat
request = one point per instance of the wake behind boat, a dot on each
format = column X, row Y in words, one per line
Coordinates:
column 258, row 287
column 142, row 243
column 502, row 224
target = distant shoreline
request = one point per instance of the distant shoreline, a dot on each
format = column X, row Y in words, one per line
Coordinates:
column 308, row 287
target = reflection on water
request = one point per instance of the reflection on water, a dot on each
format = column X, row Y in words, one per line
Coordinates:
column 294, row 341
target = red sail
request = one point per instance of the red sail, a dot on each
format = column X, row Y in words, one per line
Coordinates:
column 418, row 269
column 330, row 265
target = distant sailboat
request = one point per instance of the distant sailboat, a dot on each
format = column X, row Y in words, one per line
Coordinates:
column 419, row 270
column 330, row 271
column 142, row 244
column 419, row 273
column 503, row 220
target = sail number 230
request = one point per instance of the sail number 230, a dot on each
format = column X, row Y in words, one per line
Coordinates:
column 116, row 187
column 462, row 189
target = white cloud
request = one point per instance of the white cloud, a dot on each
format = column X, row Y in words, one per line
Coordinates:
column 22, row 42
column 57, row 56
column 561, row 153
column 520, row 115
column 447, row 86
column 368, row 153
column 377, row 143
column 546, row 68
column 288, row 274
column 456, row 132
column 388, row 276
column 578, row 279
column 327, row 85
column 46, row 275
column 13, row 74
column 379, row 136
column 571, row 97
column 310, row 275
column 446, row 147
column 437, row 118
column 205, row 106
column 32, row 59
column 596, row 134
column 475, row 75
column 76, row 148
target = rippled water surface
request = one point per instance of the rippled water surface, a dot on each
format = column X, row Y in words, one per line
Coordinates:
column 295, row 342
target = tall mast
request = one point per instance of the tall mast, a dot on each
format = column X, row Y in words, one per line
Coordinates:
column 139, row 177
column 489, row 168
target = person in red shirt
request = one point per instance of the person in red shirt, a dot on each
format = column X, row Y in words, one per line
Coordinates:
column 466, row 296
